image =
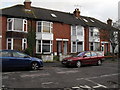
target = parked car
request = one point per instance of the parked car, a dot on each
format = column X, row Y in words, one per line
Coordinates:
column 15, row 59
column 85, row 57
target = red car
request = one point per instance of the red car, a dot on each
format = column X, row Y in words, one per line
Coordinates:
column 86, row 57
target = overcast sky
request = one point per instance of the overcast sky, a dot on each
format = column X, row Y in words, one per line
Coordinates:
column 99, row 9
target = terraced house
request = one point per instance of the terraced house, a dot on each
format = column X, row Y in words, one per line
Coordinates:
column 56, row 33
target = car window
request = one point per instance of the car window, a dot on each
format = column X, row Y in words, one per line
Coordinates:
column 80, row 54
column 18, row 54
column 5, row 54
column 87, row 54
column 94, row 54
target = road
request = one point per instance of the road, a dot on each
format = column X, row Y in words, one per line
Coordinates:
column 54, row 75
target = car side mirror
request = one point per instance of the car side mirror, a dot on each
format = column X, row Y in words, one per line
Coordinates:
column 26, row 56
column 84, row 56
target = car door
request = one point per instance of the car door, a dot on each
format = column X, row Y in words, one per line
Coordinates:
column 5, row 57
column 87, row 58
column 20, row 60
column 93, row 57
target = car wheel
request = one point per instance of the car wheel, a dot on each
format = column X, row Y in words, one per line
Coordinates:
column 34, row 66
column 78, row 64
column 99, row 62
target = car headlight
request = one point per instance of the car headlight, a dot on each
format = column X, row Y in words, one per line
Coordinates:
column 69, row 60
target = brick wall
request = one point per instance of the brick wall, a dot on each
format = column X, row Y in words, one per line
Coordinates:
column 61, row 31
column 3, row 28
column 86, row 38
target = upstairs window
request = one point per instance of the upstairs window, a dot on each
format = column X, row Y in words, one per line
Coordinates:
column 73, row 30
column 77, row 30
column 44, row 26
column 16, row 24
column 10, row 24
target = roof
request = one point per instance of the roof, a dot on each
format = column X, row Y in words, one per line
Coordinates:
column 54, row 16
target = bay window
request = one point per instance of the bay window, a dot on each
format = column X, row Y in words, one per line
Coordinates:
column 77, row 30
column 16, row 24
column 44, row 26
column 44, row 46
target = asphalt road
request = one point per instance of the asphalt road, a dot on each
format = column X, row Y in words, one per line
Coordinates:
column 54, row 75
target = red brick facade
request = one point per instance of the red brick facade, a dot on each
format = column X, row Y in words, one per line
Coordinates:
column 86, row 38
column 4, row 29
column 61, row 31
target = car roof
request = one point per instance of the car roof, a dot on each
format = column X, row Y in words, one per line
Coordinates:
column 8, row 51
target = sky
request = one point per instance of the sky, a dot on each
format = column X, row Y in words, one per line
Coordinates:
column 99, row 9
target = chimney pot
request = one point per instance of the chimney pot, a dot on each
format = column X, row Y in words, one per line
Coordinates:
column 109, row 22
column 27, row 4
column 77, row 12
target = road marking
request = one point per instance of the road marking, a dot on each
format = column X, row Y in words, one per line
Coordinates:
column 47, row 83
column 107, row 75
column 10, row 73
column 67, row 72
column 98, row 85
column 35, row 75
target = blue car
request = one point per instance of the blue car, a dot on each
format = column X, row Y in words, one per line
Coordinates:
column 13, row 59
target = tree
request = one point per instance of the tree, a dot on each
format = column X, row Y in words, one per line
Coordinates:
column 31, row 39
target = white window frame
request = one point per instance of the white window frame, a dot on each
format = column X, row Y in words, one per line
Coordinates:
column 10, row 42
column 51, row 44
column 76, row 31
column 24, row 41
column 51, row 28
column 13, row 20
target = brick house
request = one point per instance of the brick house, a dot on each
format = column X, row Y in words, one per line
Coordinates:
column 57, row 33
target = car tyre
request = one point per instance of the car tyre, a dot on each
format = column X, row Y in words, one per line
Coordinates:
column 99, row 62
column 78, row 64
column 34, row 66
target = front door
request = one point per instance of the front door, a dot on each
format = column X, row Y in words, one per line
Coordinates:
column 65, row 48
column 59, row 48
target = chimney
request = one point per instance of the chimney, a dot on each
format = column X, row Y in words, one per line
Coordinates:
column 77, row 13
column 109, row 22
column 27, row 4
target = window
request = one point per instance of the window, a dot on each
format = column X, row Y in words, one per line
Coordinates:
column 39, row 26
column 25, row 25
column 18, row 54
column 16, row 24
column 44, row 46
column 77, row 30
column 85, row 20
column 74, row 47
column 39, row 46
column 9, row 24
column 91, row 46
column 92, row 20
column 43, row 26
column 5, row 54
column 79, row 46
column 73, row 30
column 87, row 54
column 10, row 43
column 94, row 54
column 91, row 32
column 53, row 15
column 24, row 44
